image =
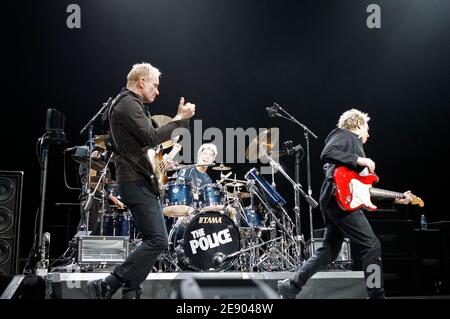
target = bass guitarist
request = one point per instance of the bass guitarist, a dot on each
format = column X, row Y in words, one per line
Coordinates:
column 132, row 134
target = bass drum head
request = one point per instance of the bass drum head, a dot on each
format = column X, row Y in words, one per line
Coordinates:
column 203, row 236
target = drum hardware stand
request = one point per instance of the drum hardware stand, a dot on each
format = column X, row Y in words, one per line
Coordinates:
column 276, row 221
column 219, row 258
column 307, row 132
column 90, row 197
column 297, row 191
column 253, row 190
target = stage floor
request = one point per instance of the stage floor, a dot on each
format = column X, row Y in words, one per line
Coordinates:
column 224, row 285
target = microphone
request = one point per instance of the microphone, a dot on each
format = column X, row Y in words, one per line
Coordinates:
column 276, row 106
column 273, row 110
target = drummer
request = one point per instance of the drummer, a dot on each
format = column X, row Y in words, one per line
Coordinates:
column 197, row 175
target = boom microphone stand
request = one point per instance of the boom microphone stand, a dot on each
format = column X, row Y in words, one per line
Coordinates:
column 273, row 111
column 90, row 127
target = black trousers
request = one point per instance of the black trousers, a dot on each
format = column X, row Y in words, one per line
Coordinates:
column 146, row 209
column 353, row 225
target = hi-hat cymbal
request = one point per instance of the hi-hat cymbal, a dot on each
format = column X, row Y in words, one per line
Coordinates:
column 263, row 144
column 221, row 167
column 239, row 194
column 162, row 120
column 97, row 164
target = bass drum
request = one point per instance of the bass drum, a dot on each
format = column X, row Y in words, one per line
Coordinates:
column 196, row 240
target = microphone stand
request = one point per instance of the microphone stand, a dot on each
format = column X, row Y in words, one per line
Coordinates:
column 307, row 132
column 90, row 126
column 297, row 191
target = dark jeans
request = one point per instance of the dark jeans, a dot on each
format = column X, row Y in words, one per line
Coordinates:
column 353, row 225
column 147, row 213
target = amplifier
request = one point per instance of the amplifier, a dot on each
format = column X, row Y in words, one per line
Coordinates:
column 444, row 227
column 344, row 256
column 102, row 249
column 396, row 236
column 400, row 276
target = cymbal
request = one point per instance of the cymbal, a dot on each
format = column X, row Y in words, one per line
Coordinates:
column 97, row 164
column 263, row 144
column 234, row 184
column 239, row 195
column 162, row 120
column 221, row 167
column 235, row 180
column 101, row 141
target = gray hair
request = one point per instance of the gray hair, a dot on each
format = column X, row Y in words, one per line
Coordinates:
column 207, row 147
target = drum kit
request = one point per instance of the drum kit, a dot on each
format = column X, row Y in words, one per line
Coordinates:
column 230, row 225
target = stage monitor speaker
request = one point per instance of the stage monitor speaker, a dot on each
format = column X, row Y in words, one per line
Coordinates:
column 10, row 208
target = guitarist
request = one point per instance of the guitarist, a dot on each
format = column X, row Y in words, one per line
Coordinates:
column 132, row 134
column 344, row 146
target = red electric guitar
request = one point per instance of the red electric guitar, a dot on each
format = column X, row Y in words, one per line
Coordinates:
column 354, row 191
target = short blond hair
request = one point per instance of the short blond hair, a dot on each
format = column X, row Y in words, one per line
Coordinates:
column 352, row 119
column 141, row 70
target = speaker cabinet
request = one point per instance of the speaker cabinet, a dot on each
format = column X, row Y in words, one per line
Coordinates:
column 10, row 209
column 396, row 236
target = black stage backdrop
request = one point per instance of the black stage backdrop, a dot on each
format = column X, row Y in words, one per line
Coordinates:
column 232, row 59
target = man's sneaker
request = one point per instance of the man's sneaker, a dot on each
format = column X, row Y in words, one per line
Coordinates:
column 99, row 289
column 287, row 290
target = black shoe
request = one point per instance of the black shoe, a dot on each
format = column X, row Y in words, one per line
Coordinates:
column 132, row 294
column 99, row 289
column 287, row 290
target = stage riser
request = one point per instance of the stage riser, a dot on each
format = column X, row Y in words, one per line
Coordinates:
column 335, row 285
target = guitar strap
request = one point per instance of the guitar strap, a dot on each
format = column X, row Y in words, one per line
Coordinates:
column 149, row 175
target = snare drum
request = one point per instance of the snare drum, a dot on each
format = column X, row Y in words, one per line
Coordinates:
column 212, row 197
column 178, row 199
column 197, row 239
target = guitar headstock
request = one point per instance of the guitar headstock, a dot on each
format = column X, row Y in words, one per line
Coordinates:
column 415, row 200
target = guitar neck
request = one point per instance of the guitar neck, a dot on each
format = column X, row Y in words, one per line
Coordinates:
column 173, row 153
column 382, row 193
